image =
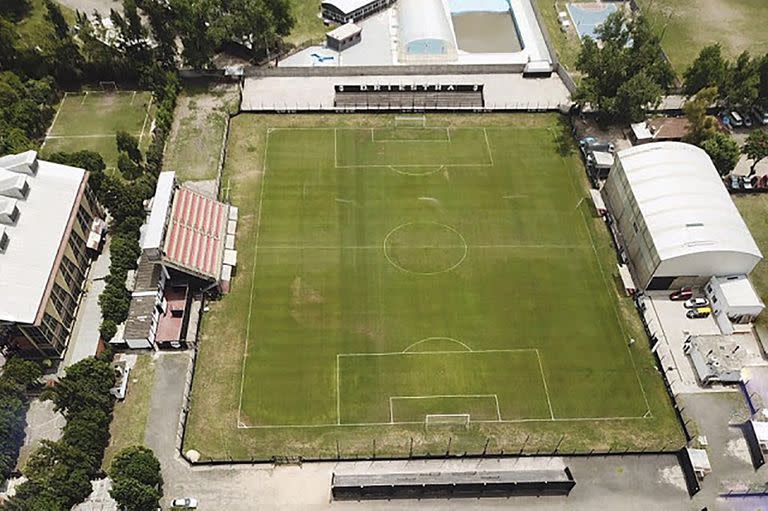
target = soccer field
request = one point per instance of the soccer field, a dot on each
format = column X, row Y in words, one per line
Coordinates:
column 89, row 121
column 425, row 279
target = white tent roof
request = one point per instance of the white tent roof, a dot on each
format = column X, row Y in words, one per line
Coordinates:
column 425, row 19
column 683, row 201
column 35, row 238
column 347, row 6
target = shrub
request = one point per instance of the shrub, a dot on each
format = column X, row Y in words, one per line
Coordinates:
column 107, row 329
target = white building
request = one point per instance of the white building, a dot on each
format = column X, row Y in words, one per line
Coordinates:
column 674, row 217
column 733, row 301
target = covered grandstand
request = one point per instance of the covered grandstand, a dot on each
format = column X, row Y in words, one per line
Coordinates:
column 426, row 32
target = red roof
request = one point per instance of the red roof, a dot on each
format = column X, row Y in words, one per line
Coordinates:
column 196, row 232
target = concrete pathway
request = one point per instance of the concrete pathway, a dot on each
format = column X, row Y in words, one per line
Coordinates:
column 85, row 334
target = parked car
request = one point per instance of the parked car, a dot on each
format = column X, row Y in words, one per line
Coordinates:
column 761, row 114
column 695, row 303
column 185, row 503
column 591, row 144
column 685, row 293
column 747, row 119
column 737, row 121
column 735, row 183
column 699, row 313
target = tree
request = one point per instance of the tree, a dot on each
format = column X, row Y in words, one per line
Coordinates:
column 702, row 125
column 192, row 24
column 115, row 302
column 14, row 9
column 708, row 70
column 626, row 73
column 55, row 17
column 756, row 147
column 762, row 90
column 740, row 87
column 60, row 472
column 107, row 329
column 139, row 463
column 131, row 495
column 128, row 144
column 724, row 152
column 127, row 167
column 85, row 385
column 88, row 160
column 137, row 479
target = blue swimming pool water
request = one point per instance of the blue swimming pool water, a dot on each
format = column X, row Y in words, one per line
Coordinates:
column 462, row 6
column 586, row 18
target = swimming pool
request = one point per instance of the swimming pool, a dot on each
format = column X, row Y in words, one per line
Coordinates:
column 484, row 26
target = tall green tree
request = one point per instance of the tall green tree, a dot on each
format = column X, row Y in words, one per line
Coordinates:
column 702, row 125
column 756, row 147
column 626, row 73
column 708, row 70
column 740, row 88
column 85, row 385
column 724, row 152
column 762, row 89
column 137, row 482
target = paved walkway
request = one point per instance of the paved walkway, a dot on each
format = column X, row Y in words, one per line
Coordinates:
column 85, row 334
column 629, row 483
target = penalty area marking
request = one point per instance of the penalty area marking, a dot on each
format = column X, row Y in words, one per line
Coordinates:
column 437, row 338
column 417, row 174
column 382, row 141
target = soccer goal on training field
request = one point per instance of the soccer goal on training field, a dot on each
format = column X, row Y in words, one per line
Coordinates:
column 447, row 419
column 108, row 86
column 410, row 121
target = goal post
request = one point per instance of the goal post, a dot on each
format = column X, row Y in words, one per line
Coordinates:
column 447, row 419
column 108, row 86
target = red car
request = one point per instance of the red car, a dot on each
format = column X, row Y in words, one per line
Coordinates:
column 685, row 293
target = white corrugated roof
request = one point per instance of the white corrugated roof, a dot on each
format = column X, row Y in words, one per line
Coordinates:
column 26, row 264
column 425, row 19
column 683, row 201
column 161, row 205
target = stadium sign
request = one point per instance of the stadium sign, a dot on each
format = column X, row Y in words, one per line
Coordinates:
column 410, row 88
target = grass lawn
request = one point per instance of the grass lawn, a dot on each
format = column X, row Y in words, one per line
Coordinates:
column 567, row 44
column 34, row 30
column 402, row 273
column 129, row 420
column 754, row 209
column 90, row 121
column 308, row 27
column 689, row 26
column 194, row 144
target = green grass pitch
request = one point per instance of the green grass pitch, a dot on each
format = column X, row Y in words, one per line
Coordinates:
column 388, row 274
column 373, row 240
column 89, row 121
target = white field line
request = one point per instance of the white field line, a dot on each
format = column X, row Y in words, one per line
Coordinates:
column 498, row 410
column 370, row 247
column 111, row 135
column 338, row 395
column 146, row 116
column 413, row 165
column 546, row 388
column 335, row 148
column 442, row 140
column 625, row 338
column 253, row 276
column 85, row 96
column 438, row 338
column 488, row 145
column 442, row 352
column 53, row 122
column 402, row 423
column 133, row 97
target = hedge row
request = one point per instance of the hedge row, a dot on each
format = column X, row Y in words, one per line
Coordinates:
column 17, row 379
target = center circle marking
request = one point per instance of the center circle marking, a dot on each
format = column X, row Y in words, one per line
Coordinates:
column 416, row 230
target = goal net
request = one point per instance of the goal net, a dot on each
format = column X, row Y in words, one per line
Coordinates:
column 108, row 86
column 447, row 419
column 410, row 121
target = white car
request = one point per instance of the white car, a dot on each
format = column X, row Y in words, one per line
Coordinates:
column 186, row 503
column 695, row 303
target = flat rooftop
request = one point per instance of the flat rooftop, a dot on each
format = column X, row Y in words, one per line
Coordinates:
column 34, row 240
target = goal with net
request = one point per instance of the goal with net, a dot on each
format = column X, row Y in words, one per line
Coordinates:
column 447, row 419
column 108, row 86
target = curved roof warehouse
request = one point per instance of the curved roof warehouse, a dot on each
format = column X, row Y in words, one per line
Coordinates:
column 678, row 223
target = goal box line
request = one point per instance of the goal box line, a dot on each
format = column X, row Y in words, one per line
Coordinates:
column 496, row 410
